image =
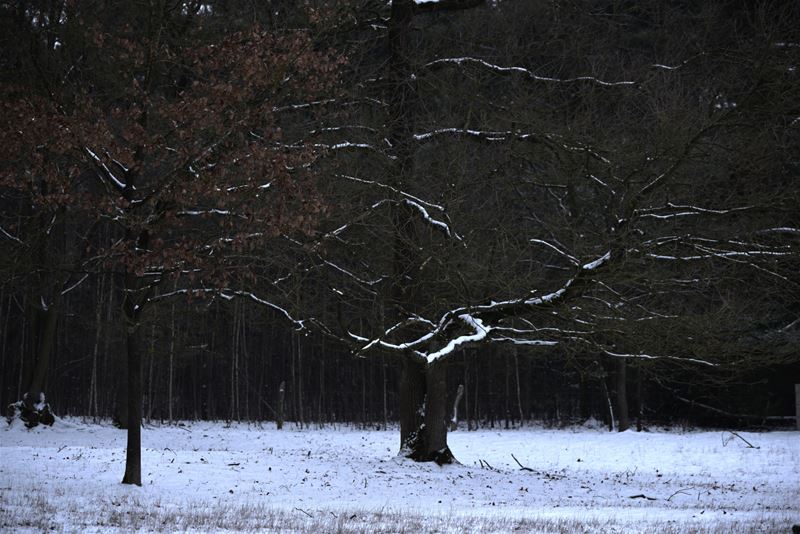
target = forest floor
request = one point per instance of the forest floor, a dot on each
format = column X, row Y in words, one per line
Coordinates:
column 201, row 477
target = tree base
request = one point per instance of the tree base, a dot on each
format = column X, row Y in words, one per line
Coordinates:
column 31, row 414
column 416, row 448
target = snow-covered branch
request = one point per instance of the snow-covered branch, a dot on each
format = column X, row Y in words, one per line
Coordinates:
column 572, row 259
column 392, row 189
column 644, row 356
column 118, row 184
column 479, row 333
column 11, row 237
column 229, row 294
column 676, row 210
column 524, row 72
column 496, row 136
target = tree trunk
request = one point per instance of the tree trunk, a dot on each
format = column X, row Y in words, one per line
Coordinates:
column 423, row 413
column 132, row 306
column 385, row 395
column 519, row 393
column 133, row 456
column 454, row 419
column 279, row 415
column 47, row 335
column 412, row 398
column 436, row 415
column 622, row 395
column 583, row 401
column 797, row 405
column 639, row 401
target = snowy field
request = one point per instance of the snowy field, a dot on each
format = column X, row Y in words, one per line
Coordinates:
column 208, row 477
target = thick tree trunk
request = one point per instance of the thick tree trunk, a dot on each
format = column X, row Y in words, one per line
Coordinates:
column 412, row 398
column 132, row 306
column 133, row 456
column 622, row 395
column 423, row 413
column 47, row 335
column 436, row 415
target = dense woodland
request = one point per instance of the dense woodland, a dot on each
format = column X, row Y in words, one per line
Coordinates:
column 348, row 212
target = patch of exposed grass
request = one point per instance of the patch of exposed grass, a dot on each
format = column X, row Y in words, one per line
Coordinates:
column 33, row 512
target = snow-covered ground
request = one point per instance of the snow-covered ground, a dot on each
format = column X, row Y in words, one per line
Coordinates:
column 208, row 477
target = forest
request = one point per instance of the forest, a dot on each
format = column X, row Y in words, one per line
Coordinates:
column 413, row 214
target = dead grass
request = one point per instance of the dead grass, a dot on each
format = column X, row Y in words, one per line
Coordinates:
column 31, row 512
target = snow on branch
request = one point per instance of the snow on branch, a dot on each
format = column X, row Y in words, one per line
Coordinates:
column 479, row 333
column 711, row 253
column 76, row 284
column 106, row 171
column 686, row 210
column 418, row 207
column 317, row 103
column 525, row 72
column 393, row 189
column 781, row 230
column 643, row 356
column 344, row 271
column 598, row 262
column 444, row 227
column 297, row 322
column 527, row 342
column 229, row 294
column 572, row 259
column 477, row 318
column 212, row 211
column 679, row 66
column 344, row 145
column 11, row 237
column 495, row 136
column 402, row 347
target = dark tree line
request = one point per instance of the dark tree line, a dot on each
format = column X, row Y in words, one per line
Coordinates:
column 342, row 212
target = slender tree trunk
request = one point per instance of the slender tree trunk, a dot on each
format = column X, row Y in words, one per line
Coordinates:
column 507, row 396
column 279, row 414
column 363, row 394
column 519, row 393
column 107, row 337
column 466, row 392
column 98, row 326
column 385, row 395
column 293, row 376
column 476, row 417
column 245, row 358
column 22, row 333
column 3, row 338
column 234, row 348
column 133, row 457
column 170, row 377
column 583, row 402
column 300, row 417
column 454, row 419
column 150, row 373
column 321, row 397
column 797, row 405
column 639, row 401
column 622, row 395
column 611, row 421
